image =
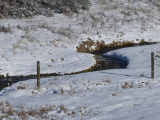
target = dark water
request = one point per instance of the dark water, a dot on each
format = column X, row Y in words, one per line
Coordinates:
column 110, row 63
column 7, row 81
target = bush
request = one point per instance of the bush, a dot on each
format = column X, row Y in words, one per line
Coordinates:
column 29, row 8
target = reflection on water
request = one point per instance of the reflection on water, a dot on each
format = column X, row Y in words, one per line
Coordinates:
column 4, row 82
column 109, row 63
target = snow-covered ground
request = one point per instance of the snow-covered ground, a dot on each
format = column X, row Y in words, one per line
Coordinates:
column 123, row 94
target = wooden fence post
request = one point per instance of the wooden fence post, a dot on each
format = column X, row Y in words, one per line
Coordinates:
column 38, row 74
column 152, row 64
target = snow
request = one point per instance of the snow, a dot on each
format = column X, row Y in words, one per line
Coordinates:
column 98, row 95
column 122, row 94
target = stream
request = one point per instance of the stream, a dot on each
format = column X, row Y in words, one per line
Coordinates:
column 103, row 63
column 106, row 62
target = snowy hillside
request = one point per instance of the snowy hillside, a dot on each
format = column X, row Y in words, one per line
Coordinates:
column 58, row 42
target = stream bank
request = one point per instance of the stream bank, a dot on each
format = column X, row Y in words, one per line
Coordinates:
column 102, row 63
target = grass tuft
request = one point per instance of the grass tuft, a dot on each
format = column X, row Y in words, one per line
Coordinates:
column 87, row 46
column 5, row 29
column 127, row 85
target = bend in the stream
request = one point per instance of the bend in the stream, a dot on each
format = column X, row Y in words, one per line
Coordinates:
column 103, row 62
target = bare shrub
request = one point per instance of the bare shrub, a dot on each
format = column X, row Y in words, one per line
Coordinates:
column 86, row 46
column 25, row 8
column 21, row 87
column 142, row 41
column 22, row 113
column 84, row 110
column 1, row 103
column 127, row 85
column 142, row 74
column 52, row 60
column 119, row 44
column 62, row 108
column 3, row 109
column 47, row 108
column 100, row 45
column 34, row 93
column 114, row 94
column 62, row 59
column 145, row 83
column 7, row 109
column 33, row 112
column 73, row 5
column 61, row 91
column 5, row 29
column 108, row 81
column 10, row 110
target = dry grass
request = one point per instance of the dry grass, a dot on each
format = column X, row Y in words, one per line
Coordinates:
column 141, row 84
column 25, row 113
column 129, row 13
column 86, row 46
column 127, row 85
column 65, row 110
column 22, row 113
column 5, row 29
column 142, row 74
column 62, row 59
column 62, row 108
column 114, row 94
column 21, row 87
column 107, row 81
column 47, row 8
column 52, row 60
column 61, row 91
column 8, row 111
column 145, row 83
column 120, row 44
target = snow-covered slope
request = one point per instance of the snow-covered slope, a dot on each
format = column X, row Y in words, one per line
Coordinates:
column 121, row 94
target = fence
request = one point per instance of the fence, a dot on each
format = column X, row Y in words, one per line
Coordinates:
column 152, row 65
column 155, row 64
column 38, row 74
